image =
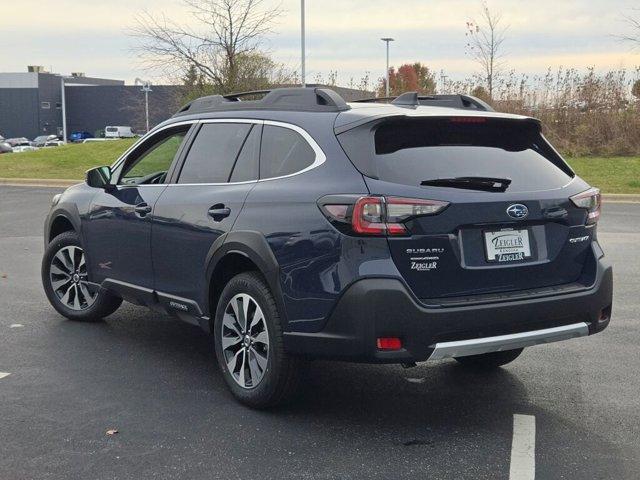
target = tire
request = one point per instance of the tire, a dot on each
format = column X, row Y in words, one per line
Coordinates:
column 65, row 280
column 490, row 361
column 254, row 381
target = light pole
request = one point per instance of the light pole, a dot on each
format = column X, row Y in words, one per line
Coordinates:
column 387, row 40
column 146, row 88
column 302, row 46
column 63, row 101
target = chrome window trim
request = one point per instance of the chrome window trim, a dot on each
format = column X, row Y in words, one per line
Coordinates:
column 320, row 157
column 208, row 184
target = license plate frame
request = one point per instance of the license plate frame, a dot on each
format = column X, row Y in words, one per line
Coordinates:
column 507, row 245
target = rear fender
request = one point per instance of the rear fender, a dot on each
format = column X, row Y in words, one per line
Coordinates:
column 254, row 246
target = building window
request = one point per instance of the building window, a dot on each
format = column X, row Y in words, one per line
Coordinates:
column 45, row 105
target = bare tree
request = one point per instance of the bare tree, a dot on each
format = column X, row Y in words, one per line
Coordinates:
column 222, row 47
column 633, row 37
column 484, row 43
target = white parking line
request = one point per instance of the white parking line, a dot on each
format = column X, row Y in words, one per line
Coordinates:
column 16, row 325
column 523, row 448
column 4, row 374
column 415, row 380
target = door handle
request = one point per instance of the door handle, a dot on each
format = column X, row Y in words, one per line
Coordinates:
column 219, row 212
column 142, row 209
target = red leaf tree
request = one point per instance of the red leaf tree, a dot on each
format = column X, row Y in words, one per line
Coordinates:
column 409, row 78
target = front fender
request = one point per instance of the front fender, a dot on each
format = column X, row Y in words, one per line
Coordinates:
column 68, row 211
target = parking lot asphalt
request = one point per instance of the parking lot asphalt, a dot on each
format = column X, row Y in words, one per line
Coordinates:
column 154, row 379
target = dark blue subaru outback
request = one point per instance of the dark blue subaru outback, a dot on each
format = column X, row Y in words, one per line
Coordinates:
column 301, row 226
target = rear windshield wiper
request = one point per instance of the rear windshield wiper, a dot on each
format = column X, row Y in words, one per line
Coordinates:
column 487, row 184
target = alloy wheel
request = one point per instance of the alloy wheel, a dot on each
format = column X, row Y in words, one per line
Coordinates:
column 68, row 276
column 245, row 340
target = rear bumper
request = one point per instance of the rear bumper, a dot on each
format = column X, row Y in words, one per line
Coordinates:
column 383, row 307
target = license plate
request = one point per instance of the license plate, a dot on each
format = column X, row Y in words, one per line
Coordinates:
column 507, row 245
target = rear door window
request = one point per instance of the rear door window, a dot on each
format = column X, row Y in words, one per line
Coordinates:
column 213, row 153
column 410, row 151
column 284, row 152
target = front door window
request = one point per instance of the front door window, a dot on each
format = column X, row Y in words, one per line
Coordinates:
column 150, row 165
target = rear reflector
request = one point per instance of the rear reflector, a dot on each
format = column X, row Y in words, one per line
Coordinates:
column 389, row 343
column 605, row 314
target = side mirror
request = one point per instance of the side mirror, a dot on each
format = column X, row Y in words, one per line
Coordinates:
column 98, row 177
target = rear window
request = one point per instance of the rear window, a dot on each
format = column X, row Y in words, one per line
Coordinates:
column 410, row 151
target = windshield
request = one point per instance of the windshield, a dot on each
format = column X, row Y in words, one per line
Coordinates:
column 413, row 151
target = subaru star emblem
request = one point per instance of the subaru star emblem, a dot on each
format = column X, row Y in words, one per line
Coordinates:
column 517, row 210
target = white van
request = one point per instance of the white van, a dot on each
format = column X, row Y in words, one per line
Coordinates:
column 118, row 132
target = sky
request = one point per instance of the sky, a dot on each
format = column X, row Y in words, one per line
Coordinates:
column 342, row 35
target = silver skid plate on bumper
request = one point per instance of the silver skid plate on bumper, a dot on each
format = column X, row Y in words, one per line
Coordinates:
column 476, row 346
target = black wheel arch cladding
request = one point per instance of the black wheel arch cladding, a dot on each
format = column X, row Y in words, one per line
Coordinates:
column 253, row 246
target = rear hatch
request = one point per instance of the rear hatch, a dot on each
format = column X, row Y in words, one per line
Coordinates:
column 508, row 225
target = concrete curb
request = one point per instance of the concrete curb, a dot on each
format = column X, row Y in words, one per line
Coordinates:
column 63, row 183
column 38, row 182
column 620, row 198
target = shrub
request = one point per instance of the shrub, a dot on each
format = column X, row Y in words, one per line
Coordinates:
column 583, row 113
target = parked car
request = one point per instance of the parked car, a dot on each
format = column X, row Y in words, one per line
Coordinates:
column 54, row 143
column 19, row 141
column 5, row 147
column 41, row 140
column 118, row 132
column 300, row 226
column 21, row 144
column 77, row 137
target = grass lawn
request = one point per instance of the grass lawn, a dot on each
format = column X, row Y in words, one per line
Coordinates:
column 612, row 174
column 66, row 162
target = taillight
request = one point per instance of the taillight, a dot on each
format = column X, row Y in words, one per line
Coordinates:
column 368, row 216
column 377, row 215
column 589, row 200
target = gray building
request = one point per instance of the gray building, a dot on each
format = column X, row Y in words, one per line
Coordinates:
column 92, row 108
column 31, row 103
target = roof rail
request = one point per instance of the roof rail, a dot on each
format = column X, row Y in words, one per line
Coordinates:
column 413, row 99
column 236, row 97
column 374, row 100
column 301, row 99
